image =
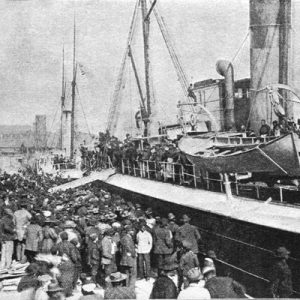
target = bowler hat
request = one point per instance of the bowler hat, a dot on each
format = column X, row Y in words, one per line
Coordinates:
column 171, row 216
column 148, row 211
column 186, row 218
column 116, row 277
column 282, row 252
column 211, row 254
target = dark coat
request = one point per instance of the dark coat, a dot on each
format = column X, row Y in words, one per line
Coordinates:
column 191, row 234
column 188, row 260
column 224, row 287
column 127, row 251
column 281, row 280
column 67, row 248
column 93, row 254
column 7, row 227
column 162, row 240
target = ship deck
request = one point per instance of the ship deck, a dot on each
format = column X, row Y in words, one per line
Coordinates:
column 248, row 210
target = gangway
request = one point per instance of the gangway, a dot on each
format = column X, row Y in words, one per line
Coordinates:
column 103, row 176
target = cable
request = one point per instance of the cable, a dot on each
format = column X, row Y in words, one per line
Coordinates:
column 87, row 125
column 48, row 136
column 113, row 110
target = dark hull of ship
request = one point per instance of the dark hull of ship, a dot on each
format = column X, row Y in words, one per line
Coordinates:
column 244, row 250
column 278, row 157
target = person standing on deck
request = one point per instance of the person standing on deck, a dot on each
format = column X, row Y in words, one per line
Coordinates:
column 265, row 129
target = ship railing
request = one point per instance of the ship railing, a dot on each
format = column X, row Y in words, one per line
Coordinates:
column 64, row 166
column 98, row 163
column 186, row 175
column 278, row 194
column 162, row 171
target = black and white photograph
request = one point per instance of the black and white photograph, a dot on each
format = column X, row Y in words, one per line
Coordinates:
column 149, row 149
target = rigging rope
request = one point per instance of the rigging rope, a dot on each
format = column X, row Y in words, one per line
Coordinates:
column 87, row 125
column 48, row 135
column 113, row 110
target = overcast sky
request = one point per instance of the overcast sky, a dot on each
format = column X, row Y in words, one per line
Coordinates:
column 34, row 31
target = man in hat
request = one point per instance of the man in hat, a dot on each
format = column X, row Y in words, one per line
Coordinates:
column 128, row 256
column 22, row 218
column 188, row 261
column 70, row 229
column 7, row 236
column 93, row 259
column 77, row 262
column 107, row 253
column 144, row 246
column 194, row 290
column 149, row 218
column 189, row 233
column 138, row 211
column 222, row 287
column 117, row 289
column 162, row 242
column 281, row 276
column 172, row 224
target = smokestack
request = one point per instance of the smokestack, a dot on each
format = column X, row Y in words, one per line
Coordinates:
column 269, row 54
column 225, row 69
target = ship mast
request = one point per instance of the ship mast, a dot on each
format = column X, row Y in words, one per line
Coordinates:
column 73, row 95
column 62, row 99
column 146, row 23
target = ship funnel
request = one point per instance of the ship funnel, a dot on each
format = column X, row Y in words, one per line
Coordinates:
column 225, row 69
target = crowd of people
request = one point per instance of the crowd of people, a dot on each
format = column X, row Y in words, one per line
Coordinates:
column 111, row 150
column 108, row 244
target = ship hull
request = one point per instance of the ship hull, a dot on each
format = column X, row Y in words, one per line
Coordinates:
column 245, row 249
column 278, row 157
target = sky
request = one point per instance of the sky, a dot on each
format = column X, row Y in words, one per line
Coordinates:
column 33, row 33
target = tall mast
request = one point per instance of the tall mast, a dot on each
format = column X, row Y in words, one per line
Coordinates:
column 146, row 23
column 73, row 94
column 62, row 103
column 284, row 49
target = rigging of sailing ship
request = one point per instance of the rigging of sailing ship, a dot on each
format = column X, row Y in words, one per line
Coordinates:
column 229, row 151
column 145, row 113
